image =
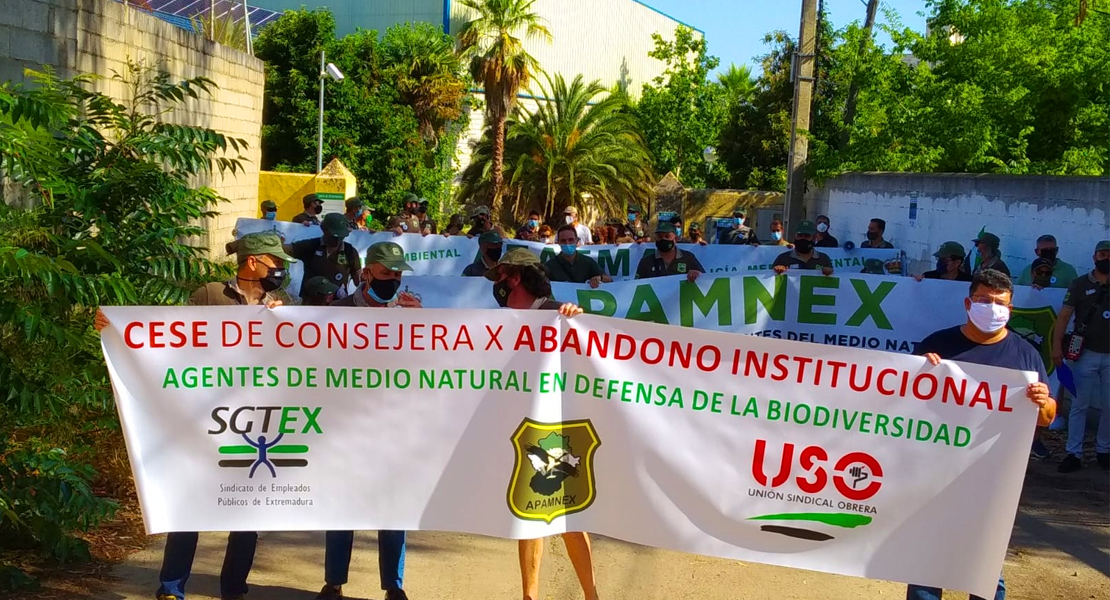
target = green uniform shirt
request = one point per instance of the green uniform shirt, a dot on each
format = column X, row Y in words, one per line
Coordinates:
column 1062, row 275
column 1091, row 301
column 338, row 267
column 583, row 269
column 791, row 260
column 224, row 293
column 408, row 223
column 651, row 265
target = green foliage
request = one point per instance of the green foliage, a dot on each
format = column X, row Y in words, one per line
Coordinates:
column 682, row 111
column 738, row 83
column 111, row 209
column 394, row 121
column 493, row 44
column 573, row 146
column 223, row 30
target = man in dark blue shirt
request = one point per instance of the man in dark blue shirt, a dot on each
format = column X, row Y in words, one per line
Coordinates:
column 984, row 340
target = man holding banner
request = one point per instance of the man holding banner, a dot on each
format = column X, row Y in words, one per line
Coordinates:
column 984, row 340
column 519, row 282
column 385, row 263
column 667, row 258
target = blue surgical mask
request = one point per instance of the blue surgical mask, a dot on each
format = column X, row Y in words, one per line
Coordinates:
column 269, row 216
column 739, row 221
column 776, row 235
column 533, row 223
column 568, row 249
column 631, row 217
column 678, row 231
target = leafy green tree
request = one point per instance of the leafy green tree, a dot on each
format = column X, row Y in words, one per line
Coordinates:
column 499, row 62
column 738, row 83
column 110, row 214
column 578, row 145
column 682, row 111
column 394, row 121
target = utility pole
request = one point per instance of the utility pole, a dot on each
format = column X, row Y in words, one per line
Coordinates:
column 320, row 137
column 801, row 68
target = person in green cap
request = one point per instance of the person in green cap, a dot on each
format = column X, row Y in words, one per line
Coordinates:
column 667, row 258
column 637, row 226
column 313, row 206
column 989, row 257
column 571, row 266
column 490, row 247
column 1060, row 275
column 380, row 288
column 950, row 261
column 1088, row 300
column 696, row 236
column 739, row 233
column 427, row 224
column 873, row 266
column 328, row 255
column 804, row 255
column 269, row 210
column 408, row 221
column 261, row 273
column 318, row 291
column 519, row 282
column 357, row 214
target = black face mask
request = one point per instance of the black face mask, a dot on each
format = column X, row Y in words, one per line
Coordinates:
column 319, row 208
column 330, row 240
column 273, row 280
column 384, row 290
column 422, row 210
column 873, row 235
column 493, row 253
column 1042, row 280
column 664, row 245
column 1049, row 253
column 501, row 291
column 803, row 246
column 1103, row 266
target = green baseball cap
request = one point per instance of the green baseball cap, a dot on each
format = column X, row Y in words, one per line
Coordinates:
column 948, row 249
column 873, row 266
column 807, row 227
column 1103, row 245
column 665, row 227
column 269, row 206
column 389, row 255
column 410, row 197
column 320, row 286
column 481, row 210
column 634, row 208
column 335, row 224
column 518, row 257
column 257, row 244
column 352, row 202
column 989, row 239
column 489, row 237
column 695, row 226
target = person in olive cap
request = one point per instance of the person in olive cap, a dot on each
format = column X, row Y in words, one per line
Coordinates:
column 740, row 233
column 380, row 288
column 490, row 247
column 667, row 259
column 356, row 214
column 269, row 210
column 950, row 261
column 637, row 226
column 261, row 273
column 989, row 257
column 427, row 224
column 318, row 291
column 1088, row 300
column 408, row 221
column 696, row 236
column 873, row 266
column 313, row 206
column 1060, row 274
column 804, row 255
column 328, row 255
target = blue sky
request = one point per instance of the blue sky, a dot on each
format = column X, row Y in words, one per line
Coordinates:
column 735, row 28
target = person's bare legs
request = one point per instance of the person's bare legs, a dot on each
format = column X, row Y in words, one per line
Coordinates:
column 531, row 552
column 581, row 556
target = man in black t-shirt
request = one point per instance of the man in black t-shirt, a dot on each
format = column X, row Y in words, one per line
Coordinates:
column 1088, row 300
column 328, row 256
column 569, row 265
column 667, row 259
column 824, row 239
column 313, row 206
column 875, row 230
column 984, row 340
column 803, row 256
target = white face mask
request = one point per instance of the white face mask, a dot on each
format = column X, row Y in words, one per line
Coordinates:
column 570, row 219
column 988, row 318
column 821, row 227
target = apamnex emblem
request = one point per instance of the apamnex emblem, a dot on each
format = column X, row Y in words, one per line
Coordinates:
column 553, row 474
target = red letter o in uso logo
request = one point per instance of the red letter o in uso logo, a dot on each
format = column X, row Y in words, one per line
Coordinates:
column 851, row 464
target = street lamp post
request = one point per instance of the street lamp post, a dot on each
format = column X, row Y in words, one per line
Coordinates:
column 326, row 70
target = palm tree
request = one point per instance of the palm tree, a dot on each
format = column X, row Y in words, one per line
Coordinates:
column 428, row 75
column 738, row 82
column 499, row 62
column 572, row 147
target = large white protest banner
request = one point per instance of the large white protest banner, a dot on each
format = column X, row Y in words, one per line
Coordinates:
column 862, row 311
column 448, row 256
column 522, row 424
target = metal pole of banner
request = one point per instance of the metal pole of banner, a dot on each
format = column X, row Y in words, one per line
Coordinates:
column 320, row 139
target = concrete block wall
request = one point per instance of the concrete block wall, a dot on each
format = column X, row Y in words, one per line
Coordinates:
column 955, row 206
column 99, row 36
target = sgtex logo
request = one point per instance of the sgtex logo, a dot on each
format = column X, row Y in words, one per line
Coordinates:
column 263, row 428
